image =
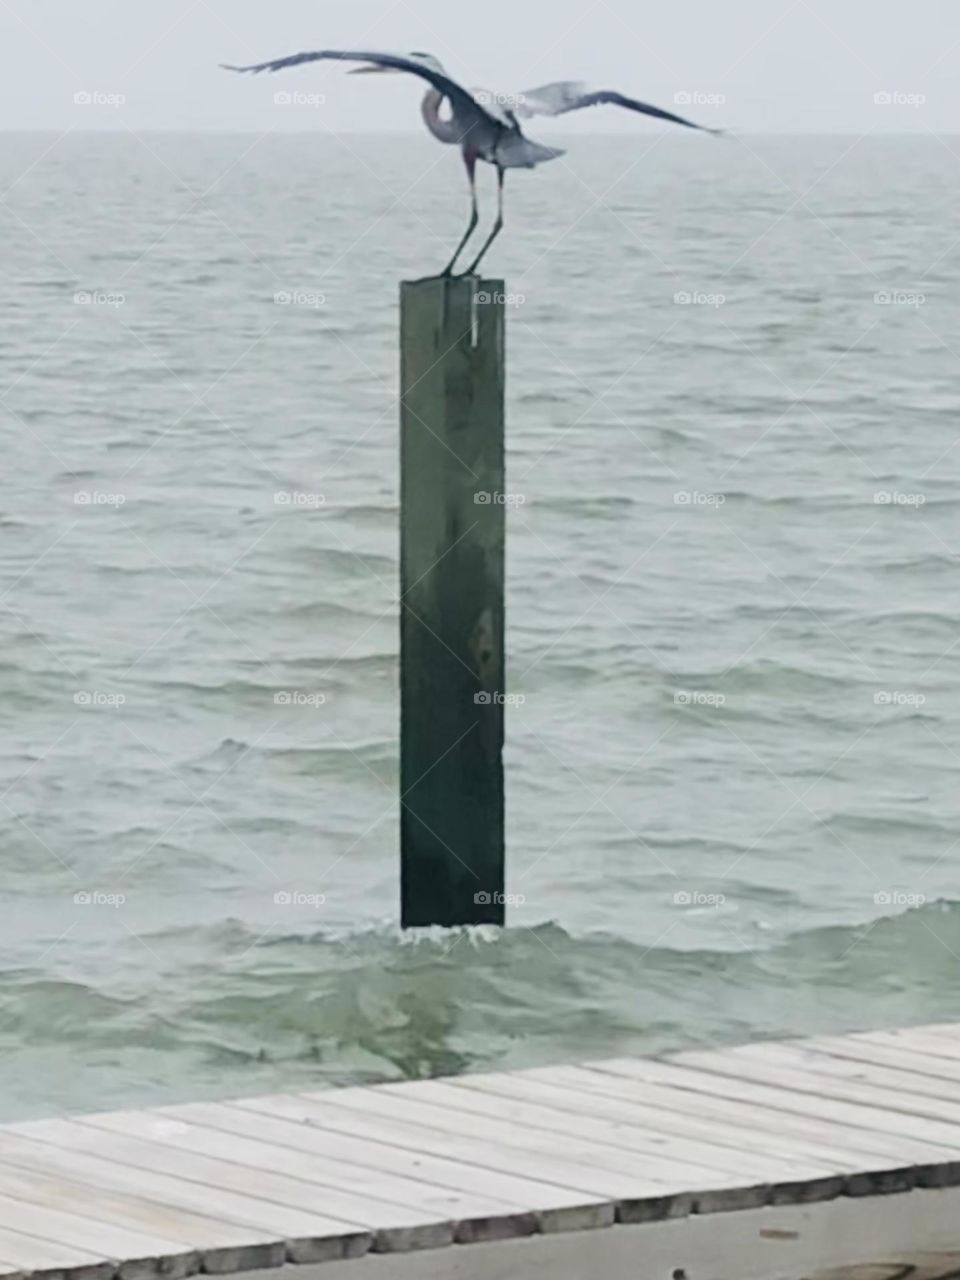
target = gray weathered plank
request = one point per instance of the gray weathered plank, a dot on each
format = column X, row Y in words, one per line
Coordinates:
column 717, row 1099
column 312, row 1152
column 142, row 1255
column 575, row 1162
column 929, row 1041
column 786, row 1066
column 784, row 1092
column 490, row 1096
column 574, row 1105
column 887, row 1054
column 406, row 1127
column 396, row 1225
column 283, row 1207
column 222, row 1245
column 31, row 1255
column 554, row 1207
column 817, row 1059
column 868, row 1163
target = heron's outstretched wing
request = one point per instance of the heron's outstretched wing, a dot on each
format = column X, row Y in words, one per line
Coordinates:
column 572, row 95
column 551, row 99
column 461, row 98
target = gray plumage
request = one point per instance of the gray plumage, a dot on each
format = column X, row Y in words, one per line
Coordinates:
column 479, row 123
column 558, row 98
column 493, row 132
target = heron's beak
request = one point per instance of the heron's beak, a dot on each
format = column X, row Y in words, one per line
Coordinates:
column 372, row 70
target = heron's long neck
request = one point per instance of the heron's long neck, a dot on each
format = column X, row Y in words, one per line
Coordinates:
column 444, row 130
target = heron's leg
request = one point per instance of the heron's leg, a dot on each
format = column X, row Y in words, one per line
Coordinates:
column 497, row 227
column 470, row 160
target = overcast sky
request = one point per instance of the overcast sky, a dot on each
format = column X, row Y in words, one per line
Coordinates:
column 756, row 65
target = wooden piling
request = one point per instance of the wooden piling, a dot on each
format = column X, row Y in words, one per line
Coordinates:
column 452, row 608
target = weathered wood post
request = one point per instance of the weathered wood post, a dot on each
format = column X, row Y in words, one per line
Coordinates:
column 452, row 609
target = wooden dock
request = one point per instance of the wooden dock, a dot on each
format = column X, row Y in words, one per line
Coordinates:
column 768, row 1160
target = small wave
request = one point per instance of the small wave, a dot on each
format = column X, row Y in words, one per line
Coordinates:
column 928, row 619
column 229, row 690
column 912, row 564
column 351, row 670
column 324, row 611
column 312, row 760
column 600, row 506
column 801, row 501
column 384, row 516
column 768, row 675
column 889, row 826
column 374, row 753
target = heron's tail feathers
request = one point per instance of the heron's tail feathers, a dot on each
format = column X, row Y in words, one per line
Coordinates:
column 518, row 152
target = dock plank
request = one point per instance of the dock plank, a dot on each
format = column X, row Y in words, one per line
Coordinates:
column 490, row 1096
column 753, row 1111
column 143, row 1255
column 316, row 1180
column 308, row 1151
column 30, row 1255
column 285, row 1209
column 224, row 1246
column 888, row 1054
column 574, row 1161
column 555, row 1208
column 928, row 1041
column 782, row 1066
column 908, row 1085
column 787, row 1092
column 505, row 1151
column 572, row 1104
column 499, row 1160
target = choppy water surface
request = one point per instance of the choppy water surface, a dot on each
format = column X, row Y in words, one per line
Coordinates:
column 733, row 803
